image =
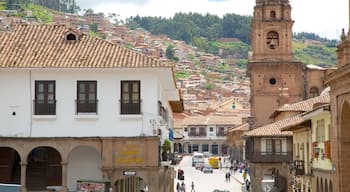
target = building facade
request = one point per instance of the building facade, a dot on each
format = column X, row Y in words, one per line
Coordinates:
column 340, row 113
column 77, row 109
column 206, row 134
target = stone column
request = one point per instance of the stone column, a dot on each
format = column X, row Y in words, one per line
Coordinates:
column 23, row 176
column 64, row 187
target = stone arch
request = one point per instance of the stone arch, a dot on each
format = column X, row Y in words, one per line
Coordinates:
column 313, row 92
column 272, row 39
column 10, row 168
column 344, row 133
column 321, row 185
column 326, row 185
column 84, row 163
column 129, row 184
column 269, row 178
column 43, row 168
column 273, row 14
column 330, row 186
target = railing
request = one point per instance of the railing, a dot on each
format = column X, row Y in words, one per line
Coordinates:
column 273, row 157
column 220, row 134
column 130, row 106
column 86, row 106
column 195, row 134
column 44, row 107
column 298, row 167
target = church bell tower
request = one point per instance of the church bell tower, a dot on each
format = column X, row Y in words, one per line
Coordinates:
column 275, row 79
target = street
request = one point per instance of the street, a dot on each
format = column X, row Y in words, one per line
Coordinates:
column 207, row 182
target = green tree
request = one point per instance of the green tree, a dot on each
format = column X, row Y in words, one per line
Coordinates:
column 170, row 52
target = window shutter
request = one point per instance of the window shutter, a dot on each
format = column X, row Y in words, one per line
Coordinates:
column 327, row 148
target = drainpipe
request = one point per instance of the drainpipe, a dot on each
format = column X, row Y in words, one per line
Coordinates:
column 31, row 103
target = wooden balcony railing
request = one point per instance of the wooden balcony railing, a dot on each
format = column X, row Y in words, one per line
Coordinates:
column 269, row 157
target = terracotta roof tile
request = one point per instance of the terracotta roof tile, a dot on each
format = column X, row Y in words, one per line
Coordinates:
column 212, row 120
column 243, row 127
column 306, row 105
column 45, row 46
column 302, row 106
column 274, row 129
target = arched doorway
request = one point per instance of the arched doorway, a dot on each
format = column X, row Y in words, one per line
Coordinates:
column 345, row 145
column 330, row 186
column 129, row 184
column 268, row 179
column 325, row 185
column 10, row 168
column 215, row 149
column 43, row 168
column 84, row 164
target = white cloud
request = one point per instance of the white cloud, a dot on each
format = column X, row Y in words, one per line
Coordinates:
column 325, row 18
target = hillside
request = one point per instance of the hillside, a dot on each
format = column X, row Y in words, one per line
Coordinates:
column 203, row 31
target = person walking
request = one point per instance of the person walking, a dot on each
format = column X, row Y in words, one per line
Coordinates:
column 178, row 187
column 229, row 176
column 244, row 175
column 192, row 187
column 183, row 187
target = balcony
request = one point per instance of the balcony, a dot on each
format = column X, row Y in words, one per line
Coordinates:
column 86, row 106
column 298, row 168
column 221, row 134
column 44, row 107
column 269, row 157
column 195, row 134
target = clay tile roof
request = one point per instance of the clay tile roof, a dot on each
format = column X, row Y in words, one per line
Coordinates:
column 212, row 120
column 45, row 46
column 274, row 129
column 243, row 127
column 303, row 106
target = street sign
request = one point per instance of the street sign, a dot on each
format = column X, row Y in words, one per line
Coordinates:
column 129, row 173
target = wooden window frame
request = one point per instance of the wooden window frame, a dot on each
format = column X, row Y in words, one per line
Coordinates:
column 128, row 105
column 47, row 105
column 85, row 104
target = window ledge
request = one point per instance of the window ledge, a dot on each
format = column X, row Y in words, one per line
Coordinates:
column 43, row 117
column 131, row 116
column 87, row 116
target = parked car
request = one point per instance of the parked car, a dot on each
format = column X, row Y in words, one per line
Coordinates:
column 206, row 154
column 207, row 169
column 199, row 165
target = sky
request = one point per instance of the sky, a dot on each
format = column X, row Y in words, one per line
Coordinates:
column 323, row 17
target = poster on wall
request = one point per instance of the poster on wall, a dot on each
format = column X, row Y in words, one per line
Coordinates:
column 90, row 186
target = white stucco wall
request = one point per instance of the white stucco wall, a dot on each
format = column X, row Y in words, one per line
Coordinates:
column 17, row 95
column 84, row 164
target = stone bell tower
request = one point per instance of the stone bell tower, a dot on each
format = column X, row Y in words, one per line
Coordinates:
column 274, row 77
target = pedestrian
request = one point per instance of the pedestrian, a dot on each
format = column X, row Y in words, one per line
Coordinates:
column 247, row 185
column 192, row 187
column 178, row 187
column 183, row 187
column 229, row 176
column 244, row 175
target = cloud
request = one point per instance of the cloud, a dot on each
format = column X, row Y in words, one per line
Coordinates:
column 217, row 0
column 86, row 4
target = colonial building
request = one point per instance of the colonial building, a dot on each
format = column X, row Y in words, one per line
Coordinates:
column 274, row 77
column 205, row 133
column 74, row 108
column 275, row 80
column 339, row 82
column 311, row 144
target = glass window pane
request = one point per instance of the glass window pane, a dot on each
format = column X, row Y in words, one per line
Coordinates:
column 82, row 87
column 125, row 87
column 91, row 96
column 135, row 98
column 50, row 88
column 81, row 96
column 40, row 98
column 135, row 87
column 40, row 87
column 126, row 98
column 92, row 87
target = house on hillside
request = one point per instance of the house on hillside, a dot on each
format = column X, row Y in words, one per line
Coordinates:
column 76, row 108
